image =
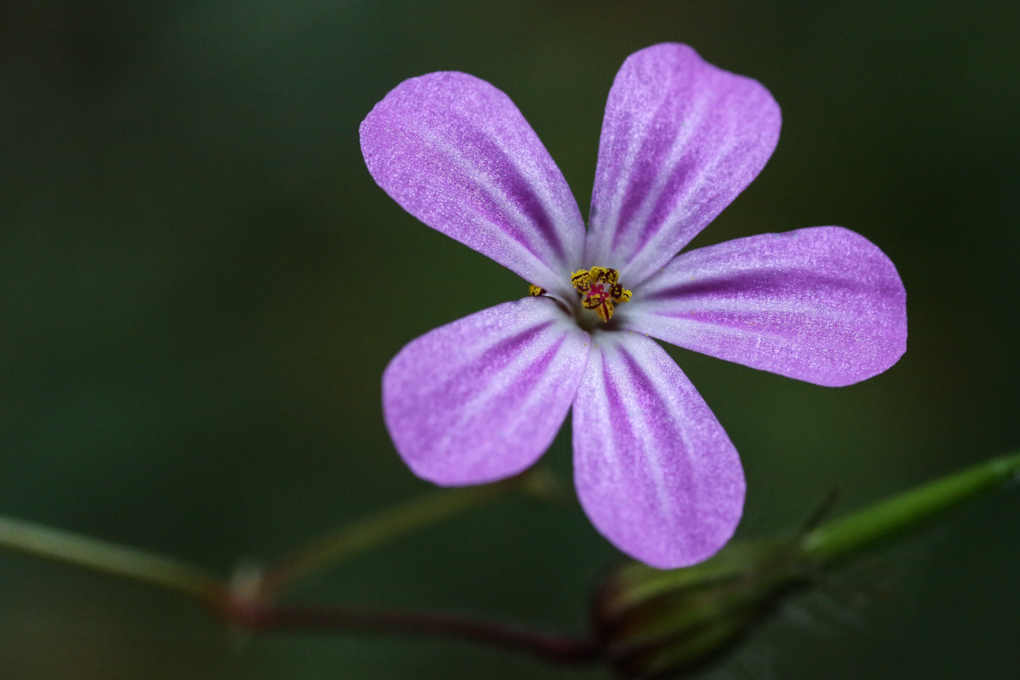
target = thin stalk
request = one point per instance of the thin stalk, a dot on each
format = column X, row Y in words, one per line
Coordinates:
column 247, row 611
column 402, row 519
column 110, row 558
column 272, row 618
column 845, row 538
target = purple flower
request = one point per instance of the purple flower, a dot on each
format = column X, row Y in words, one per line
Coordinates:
column 481, row 399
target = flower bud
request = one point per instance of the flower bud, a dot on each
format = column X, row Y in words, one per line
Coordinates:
column 654, row 623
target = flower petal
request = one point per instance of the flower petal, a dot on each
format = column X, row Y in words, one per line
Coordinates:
column 680, row 140
column 481, row 398
column 654, row 469
column 456, row 153
column 823, row 305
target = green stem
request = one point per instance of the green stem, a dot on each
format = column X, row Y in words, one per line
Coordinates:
column 110, row 558
column 414, row 514
column 845, row 538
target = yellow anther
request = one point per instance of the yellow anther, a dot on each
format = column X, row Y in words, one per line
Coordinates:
column 535, row 291
column 581, row 281
column 603, row 275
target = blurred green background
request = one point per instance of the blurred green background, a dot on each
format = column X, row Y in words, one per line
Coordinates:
column 200, row 286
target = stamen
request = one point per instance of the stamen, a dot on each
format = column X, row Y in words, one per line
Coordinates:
column 579, row 280
column 600, row 290
column 535, row 291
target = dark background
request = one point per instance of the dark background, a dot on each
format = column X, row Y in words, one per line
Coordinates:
column 200, row 286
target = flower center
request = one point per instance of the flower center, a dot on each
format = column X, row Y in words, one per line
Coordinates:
column 600, row 290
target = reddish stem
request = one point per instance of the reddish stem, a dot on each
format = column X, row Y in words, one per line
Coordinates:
column 263, row 618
